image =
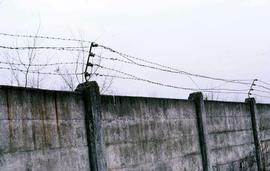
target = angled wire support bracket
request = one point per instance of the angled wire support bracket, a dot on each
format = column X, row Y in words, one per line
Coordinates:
column 251, row 87
column 88, row 63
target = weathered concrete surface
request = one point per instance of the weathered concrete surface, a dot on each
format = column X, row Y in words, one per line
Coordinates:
column 150, row 134
column 251, row 102
column 45, row 130
column 94, row 130
column 197, row 99
column 264, row 126
column 41, row 130
column 231, row 137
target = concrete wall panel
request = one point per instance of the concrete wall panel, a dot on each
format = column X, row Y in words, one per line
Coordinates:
column 42, row 130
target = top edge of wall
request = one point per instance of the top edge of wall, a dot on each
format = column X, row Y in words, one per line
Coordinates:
column 165, row 98
column 35, row 89
column 142, row 97
column 225, row 101
column 123, row 96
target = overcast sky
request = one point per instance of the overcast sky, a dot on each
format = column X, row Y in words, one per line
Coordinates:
column 221, row 38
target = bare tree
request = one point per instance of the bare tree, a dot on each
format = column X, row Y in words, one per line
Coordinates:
column 26, row 71
column 25, row 65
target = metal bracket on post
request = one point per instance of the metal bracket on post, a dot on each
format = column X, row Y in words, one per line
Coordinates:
column 88, row 63
column 251, row 87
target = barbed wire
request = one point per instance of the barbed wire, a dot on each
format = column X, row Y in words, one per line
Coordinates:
column 133, row 77
column 166, row 85
column 44, row 37
column 170, row 86
column 258, row 95
column 156, row 68
column 44, row 48
column 262, row 91
column 38, row 72
column 159, row 69
column 126, row 56
column 113, row 76
column 128, row 60
column 41, row 65
column 264, row 87
column 264, row 82
column 119, row 53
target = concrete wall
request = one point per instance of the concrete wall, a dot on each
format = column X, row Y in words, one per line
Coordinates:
column 231, row 138
column 264, row 125
column 41, row 130
column 161, row 134
column 46, row 130
column 150, row 134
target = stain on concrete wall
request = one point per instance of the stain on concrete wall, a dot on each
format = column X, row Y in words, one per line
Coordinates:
column 231, row 138
column 264, row 126
column 150, row 134
column 41, row 130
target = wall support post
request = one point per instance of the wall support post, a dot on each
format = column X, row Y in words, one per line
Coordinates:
column 94, row 131
column 251, row 102
column 197, row 98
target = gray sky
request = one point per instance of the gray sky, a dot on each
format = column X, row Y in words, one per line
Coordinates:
column 221, row 38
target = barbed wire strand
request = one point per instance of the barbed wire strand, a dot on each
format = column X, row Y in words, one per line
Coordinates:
column 157, row 68
column 37, row 72
column 126, row 56
column 64, row 63
column 44, row 37
column 171, row 68
column 262, row 91
column 264, row 82
column 132, row 77
column 121, row 54
column 41, row 65
column 162, row 84
column 264, row 87
column 258, row 95
column 44, row 48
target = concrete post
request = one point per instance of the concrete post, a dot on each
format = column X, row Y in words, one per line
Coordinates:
column 251, row 102
column 197, row 98
column 94, row 131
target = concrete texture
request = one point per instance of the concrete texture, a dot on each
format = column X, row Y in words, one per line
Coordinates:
column 42, row 130
column 197, row 99
column 46, row 130
column 150, row 134
column 264, row 126
column 94, row 130
column 231, row 137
